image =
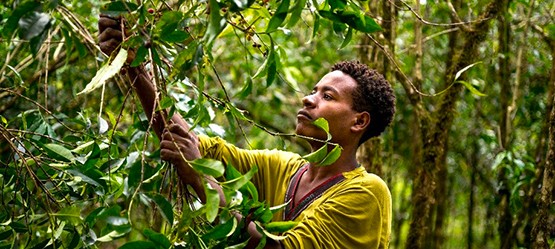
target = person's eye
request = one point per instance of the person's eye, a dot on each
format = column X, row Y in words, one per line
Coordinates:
column 327, row 96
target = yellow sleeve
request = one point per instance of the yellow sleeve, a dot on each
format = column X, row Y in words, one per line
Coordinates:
column 275, row 167
column 354, row 217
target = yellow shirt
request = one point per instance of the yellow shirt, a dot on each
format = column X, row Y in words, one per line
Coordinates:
column 354, row 213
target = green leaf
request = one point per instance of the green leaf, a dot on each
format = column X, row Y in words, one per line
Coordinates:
column 175, row 36
column 221, row 231
column 280, row 226
column 33, row 24
column 212, row 202
column 216, row 23
column 471, row 88
column 348, row 38
column 106, row 72
column 164, row 206
column 323, row 124
column 12, row 22
column 140, row 56
column 268, row 234
column 318, row 155
column 278, row 17
column 159, row 239
column 272, row 66
column 71, row 214
column 296, row 13
column 207, row 166
column 58, row 152
column 116, row 8
column 240, row 181
column 458, row 74
column 331, row 157
column 138, row 244
column 337, row 4
column 237, row 5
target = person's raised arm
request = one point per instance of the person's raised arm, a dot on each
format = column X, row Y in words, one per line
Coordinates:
column 178, row 143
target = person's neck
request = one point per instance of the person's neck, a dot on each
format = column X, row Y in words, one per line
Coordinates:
column 346, row 162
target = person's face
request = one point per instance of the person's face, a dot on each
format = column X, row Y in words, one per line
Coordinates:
column 331, row 99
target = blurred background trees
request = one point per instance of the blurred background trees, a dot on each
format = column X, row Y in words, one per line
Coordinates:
column 469, row 157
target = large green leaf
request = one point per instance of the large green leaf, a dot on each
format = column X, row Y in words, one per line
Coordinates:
column 71, row 214
column 33, row 24
column 106, row 72
column 163, row 205
column 240, row 181
column 59, row 152
column 207, row 166
column 12, row 23
column 212, row 202
column 280, row 226
column 216, row 23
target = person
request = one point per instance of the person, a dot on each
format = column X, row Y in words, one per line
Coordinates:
column 336, row 206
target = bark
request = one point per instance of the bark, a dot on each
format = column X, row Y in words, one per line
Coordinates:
column 503, row 78
column 369, row 154
column 435, row 139
column 541, row 230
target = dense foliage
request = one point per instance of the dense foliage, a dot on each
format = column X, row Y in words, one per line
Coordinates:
column 80, row 166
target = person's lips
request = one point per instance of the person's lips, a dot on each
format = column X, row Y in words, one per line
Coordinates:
column 304, row 114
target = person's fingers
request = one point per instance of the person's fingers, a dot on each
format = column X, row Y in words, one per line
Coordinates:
column 106, row 21
column 110, row 33
column 109, row 46
column 179, row 130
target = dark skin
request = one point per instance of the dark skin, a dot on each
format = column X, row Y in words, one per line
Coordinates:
column 331, row 99
column 178, row 143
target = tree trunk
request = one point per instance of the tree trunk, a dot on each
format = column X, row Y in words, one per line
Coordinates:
column 503, row 78
column 541, row 230
column 435, row 136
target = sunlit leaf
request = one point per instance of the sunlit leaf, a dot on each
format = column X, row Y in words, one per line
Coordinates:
column 269, row 234
column 471, row 88
column 323, row 124
column 280, row 226
column 59, row 152
column 317, row 155
column 71, row 214
column 33, row 24
column 331, row 157
column 207, row 166
column 240, row 181
column 106, row 72
column 212, row 202
column 12, row 22
column 458, row 74
column 102, row 125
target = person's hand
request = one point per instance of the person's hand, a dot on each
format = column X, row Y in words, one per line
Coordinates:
column 179, row 146
column 111, row 35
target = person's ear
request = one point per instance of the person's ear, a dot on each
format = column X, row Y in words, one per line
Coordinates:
column 362, row 120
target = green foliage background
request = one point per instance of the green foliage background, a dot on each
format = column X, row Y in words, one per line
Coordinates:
column 83, row 170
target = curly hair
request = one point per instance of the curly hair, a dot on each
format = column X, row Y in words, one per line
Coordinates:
column 373, row 95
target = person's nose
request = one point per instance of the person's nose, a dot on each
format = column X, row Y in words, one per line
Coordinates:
column 309, row 100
